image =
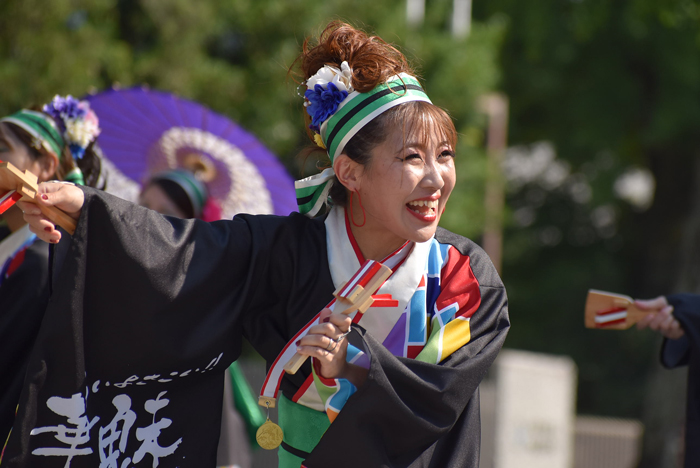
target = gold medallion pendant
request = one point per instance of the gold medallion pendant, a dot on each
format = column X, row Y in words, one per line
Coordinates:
column 269, row 435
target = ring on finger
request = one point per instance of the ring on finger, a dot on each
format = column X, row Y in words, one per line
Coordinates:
column 342, row 336
column 335, row 345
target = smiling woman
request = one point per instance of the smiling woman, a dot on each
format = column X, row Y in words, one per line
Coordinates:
column 395, row 386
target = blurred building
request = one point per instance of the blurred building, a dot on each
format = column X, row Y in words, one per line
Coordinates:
column 528, row 419
column 606, row 442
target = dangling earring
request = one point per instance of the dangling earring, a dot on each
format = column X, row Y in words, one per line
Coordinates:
column 352, row 217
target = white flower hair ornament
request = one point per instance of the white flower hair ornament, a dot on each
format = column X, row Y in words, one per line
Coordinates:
column 342, row 79
column 325, row 92
column 77, row 122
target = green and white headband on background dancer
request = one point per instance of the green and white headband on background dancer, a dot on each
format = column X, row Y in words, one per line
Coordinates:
column 44, row 133
column 338, row 113
column 41, row 127
column 195, row 189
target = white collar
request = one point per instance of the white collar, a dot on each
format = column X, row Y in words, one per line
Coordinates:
column 408, row 263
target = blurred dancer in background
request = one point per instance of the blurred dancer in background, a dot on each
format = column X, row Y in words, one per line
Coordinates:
column 56, row 143
column 677, row 319
column 179, row 193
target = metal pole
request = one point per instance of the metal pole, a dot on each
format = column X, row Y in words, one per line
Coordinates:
column 495, row 106
column 461, row 18
column 415, row 13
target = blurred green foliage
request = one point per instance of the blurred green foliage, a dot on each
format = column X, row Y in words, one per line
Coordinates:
column 613, row 87
column 232, row 56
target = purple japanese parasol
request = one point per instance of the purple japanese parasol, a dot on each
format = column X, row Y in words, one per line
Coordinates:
column 145, row 132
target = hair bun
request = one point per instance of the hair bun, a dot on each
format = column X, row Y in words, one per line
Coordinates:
column 371, row 59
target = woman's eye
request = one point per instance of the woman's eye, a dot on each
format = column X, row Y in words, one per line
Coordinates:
column 447, row 154
column 413, row 156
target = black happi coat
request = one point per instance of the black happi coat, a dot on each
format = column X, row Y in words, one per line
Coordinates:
column 23, row 298
column 686, row 351
column 148, row 311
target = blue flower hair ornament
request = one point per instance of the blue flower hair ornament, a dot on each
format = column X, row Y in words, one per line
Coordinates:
column 325, row 92
column 323, row 102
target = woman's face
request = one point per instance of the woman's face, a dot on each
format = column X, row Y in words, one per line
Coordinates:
column 14, row 151
column 156, row 199
column 406, row 185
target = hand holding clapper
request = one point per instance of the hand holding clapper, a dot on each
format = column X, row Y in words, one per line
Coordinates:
column 24, row 186
column 355, row 295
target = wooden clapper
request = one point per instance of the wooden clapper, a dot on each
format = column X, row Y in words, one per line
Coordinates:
column 16, row 185
column 611, row 311
column 355, row 295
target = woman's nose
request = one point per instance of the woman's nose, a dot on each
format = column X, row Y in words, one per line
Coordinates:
column 432, row 176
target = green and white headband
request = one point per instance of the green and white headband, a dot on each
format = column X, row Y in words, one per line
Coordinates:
column 195, row 189
column 41, row 127
column 338, row 113
column 44, row 132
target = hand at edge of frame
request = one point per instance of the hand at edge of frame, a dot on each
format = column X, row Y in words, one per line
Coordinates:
column 660, row 317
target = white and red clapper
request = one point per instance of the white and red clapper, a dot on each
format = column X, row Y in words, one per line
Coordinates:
column 355, row 295
column 16, row 185
column 611, row 311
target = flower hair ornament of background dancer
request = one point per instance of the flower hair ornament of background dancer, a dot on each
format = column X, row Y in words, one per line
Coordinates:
column 169, row 300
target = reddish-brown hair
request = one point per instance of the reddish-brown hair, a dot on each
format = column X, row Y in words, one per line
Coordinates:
column 371, row 59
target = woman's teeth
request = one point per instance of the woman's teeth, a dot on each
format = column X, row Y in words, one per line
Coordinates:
column 431, row 204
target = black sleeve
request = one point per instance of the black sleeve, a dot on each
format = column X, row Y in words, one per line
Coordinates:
column 23, row 299
column 149, row 306
column 686, row 309
column 180, row 288
column 170, row 289
column 411, row 413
